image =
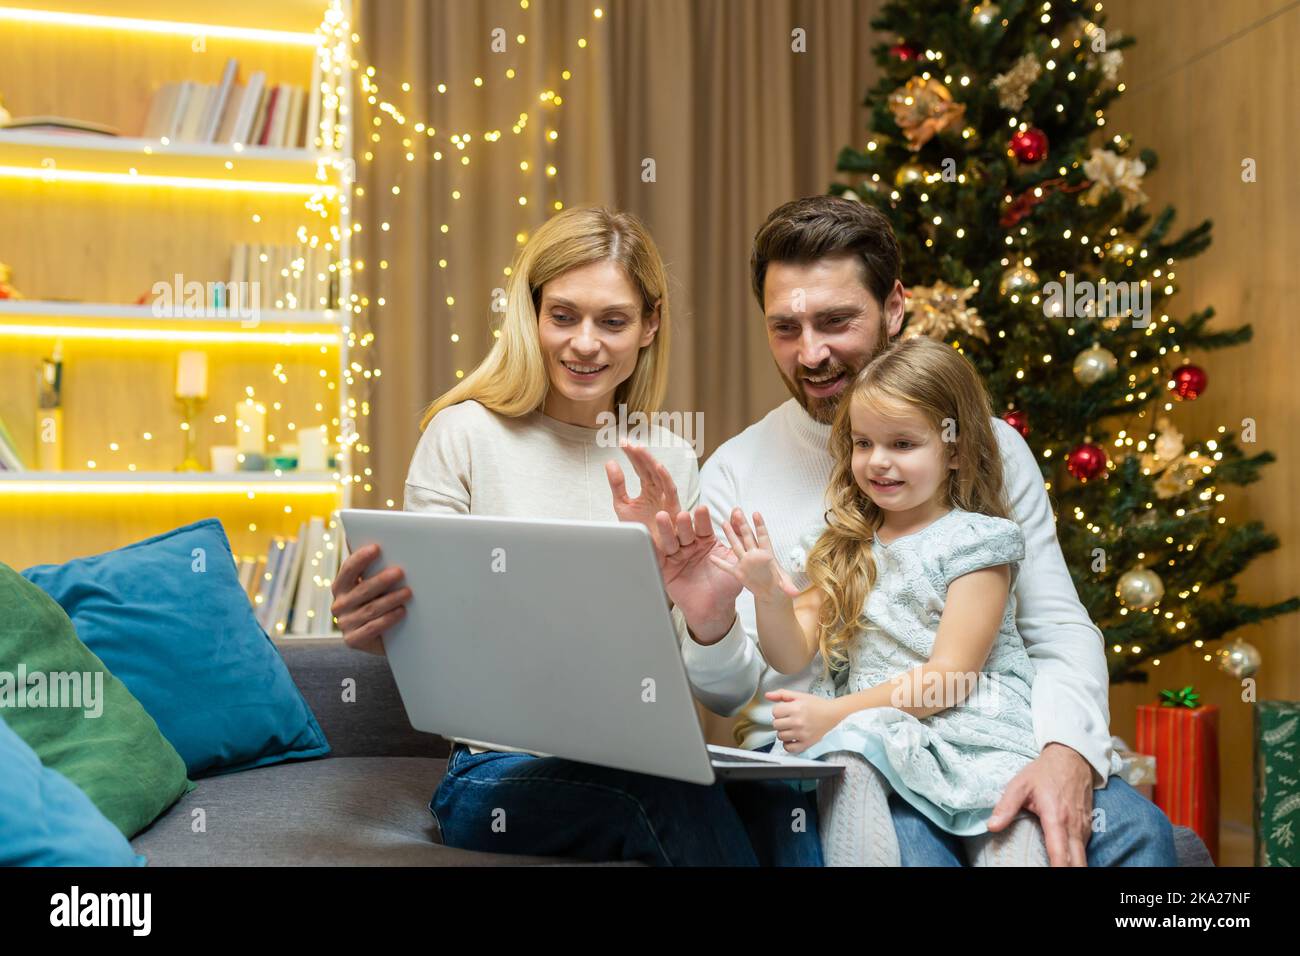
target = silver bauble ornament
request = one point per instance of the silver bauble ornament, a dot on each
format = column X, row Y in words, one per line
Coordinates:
column 1140, row 589
column 1094, row 364
column 1239, row 660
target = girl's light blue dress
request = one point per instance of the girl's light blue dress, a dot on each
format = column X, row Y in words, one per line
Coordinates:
column 952, row 766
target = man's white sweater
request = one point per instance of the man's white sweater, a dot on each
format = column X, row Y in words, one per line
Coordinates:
column 780, row 467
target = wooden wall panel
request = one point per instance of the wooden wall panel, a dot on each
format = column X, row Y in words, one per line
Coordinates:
column 1210, row 84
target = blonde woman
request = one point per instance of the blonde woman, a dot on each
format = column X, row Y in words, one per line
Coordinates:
column 586, row 330
column 911, row 594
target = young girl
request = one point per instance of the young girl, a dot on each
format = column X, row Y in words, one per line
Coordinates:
column 910, row 592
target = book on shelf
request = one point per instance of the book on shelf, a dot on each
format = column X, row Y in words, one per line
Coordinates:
column 262, row 599
column 311, row 129
column 258, row 571
column 286, row 583
column 248, row 106
column 308, row 285
column 244, row 568
column 293, row 581
column 309, row 578
column 218, row 103
column 274, row 113
column 158, row 123
column 255, row 113
column 9, row 457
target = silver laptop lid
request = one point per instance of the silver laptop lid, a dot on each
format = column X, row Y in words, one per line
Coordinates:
column 546, row 635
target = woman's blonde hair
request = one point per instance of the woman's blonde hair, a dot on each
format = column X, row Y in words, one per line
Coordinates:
column 512, row 379
column 935, row 380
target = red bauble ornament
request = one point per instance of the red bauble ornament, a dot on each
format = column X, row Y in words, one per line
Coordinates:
column 1019, row 421
column 904, row 52
column 1189, row 381
column 1029, row 145
column 1086, row 461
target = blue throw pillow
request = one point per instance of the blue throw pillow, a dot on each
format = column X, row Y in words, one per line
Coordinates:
column 45, row 820
column 169, row 618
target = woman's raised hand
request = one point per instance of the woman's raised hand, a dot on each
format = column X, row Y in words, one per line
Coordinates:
column 754, row 565
column 658, row 490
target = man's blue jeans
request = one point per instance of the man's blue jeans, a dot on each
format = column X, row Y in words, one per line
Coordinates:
column 1136, row 832
column 548, row 806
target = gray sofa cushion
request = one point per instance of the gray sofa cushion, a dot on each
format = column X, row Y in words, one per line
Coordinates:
column 338, row 811
column 372, row 725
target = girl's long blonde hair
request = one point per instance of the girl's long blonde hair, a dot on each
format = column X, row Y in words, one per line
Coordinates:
column 942, row 385
column 511, row 380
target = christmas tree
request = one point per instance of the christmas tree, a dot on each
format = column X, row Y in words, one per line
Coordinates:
column 1027, row 244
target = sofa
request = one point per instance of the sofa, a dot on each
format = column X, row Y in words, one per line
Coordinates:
column 366, row 804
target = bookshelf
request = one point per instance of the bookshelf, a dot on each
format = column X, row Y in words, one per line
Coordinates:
column 91, row 223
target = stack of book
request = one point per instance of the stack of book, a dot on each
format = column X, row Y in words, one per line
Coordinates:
column 254, row 113
column 290, row 586
column 289, row 277
column 9, row 460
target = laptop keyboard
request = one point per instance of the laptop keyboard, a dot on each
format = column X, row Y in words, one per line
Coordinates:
column 736, row 758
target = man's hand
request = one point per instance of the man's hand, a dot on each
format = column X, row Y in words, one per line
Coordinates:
column 705, row 593
column 801, row 719
column 658, row 490
column 1057, row 788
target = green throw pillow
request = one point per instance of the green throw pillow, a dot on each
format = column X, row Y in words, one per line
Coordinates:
column 80, row 719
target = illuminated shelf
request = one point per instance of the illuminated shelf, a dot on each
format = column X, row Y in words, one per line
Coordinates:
column 76, row 311
column 123, row 161
column 167, row 482
column 27, row 318
column 137, row 17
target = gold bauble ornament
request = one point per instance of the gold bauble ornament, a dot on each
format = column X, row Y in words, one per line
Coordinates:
column 1093, row 365
column 1018, row 280
column 984, row 14
column 1140, row 589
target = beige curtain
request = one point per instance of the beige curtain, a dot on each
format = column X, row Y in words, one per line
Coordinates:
column 735, row 121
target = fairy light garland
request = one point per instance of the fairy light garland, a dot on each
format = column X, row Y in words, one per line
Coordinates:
column 458, row 148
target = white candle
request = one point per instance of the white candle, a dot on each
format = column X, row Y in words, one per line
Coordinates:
column 250, row 427
column 313, row 448
column 192, row 375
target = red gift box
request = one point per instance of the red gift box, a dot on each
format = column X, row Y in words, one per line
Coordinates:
column 1185, row 743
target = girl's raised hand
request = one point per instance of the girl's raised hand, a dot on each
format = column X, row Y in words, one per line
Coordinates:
column 755, row 565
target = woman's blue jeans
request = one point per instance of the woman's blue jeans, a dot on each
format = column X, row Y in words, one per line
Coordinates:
column 547, row 806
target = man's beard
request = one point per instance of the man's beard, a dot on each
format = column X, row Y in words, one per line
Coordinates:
column 821, row 410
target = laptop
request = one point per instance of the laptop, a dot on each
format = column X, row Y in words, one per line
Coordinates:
column 550, row 636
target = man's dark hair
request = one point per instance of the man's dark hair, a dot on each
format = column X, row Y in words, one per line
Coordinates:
column 812, row 228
